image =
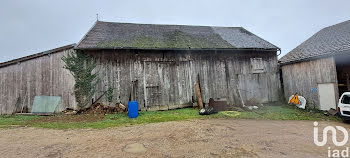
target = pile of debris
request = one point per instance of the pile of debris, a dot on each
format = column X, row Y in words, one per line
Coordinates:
column 69, row 111
column 99, row 108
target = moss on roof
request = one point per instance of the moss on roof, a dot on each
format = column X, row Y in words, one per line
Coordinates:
column 175, row 39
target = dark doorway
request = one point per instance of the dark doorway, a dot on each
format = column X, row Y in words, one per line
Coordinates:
column 343, row 72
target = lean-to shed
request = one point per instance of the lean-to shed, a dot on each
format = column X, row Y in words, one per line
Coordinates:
column 319, row 68
column 38, row 74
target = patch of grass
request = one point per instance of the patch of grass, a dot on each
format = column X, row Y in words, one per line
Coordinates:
column 116, row 120
column 284, row 112
column 15, row 120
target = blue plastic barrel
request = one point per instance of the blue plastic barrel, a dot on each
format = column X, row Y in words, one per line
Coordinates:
column 133, row 109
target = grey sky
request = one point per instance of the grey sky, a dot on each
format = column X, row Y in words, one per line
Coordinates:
column 29, row 27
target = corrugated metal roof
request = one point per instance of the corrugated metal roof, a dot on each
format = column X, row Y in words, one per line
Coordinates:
column 111, row 35
column 55, row 50
column 329, row 41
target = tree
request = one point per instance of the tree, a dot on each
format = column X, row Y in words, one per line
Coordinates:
column 81, row 66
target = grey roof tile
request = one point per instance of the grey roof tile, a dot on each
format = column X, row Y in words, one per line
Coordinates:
column 328, row 41
column 107, row 35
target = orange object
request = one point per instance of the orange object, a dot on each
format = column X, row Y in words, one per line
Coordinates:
column 295, row 99
column 200, row 102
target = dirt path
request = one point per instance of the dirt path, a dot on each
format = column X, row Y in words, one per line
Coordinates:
column 194, row 138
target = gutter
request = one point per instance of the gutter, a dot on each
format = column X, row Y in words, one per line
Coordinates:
column 186, row 49
column 279, row 50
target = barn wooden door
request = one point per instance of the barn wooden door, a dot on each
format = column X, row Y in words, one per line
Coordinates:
column 166, row 84
column 158, row 83
column 152, row 85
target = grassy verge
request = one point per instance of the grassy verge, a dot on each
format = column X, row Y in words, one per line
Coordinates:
column 15, row 120
column 115, row 120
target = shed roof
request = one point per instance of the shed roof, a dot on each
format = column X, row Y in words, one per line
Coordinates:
column 329, row 41
column 112, row 35
column 37, row 55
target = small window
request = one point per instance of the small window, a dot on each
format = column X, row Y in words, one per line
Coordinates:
column 257, row 65
column 345, row 99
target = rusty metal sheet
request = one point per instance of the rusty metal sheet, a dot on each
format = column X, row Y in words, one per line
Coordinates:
column 220, row 104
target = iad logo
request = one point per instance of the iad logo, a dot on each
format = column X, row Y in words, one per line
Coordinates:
column 334, row 135
column 332, row 153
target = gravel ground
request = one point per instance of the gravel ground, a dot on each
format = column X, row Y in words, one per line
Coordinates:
column 193, row 138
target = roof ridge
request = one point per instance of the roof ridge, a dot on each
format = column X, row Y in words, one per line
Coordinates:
column 169, row 24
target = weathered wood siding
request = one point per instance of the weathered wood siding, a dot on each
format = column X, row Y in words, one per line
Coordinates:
column 163, row 79
column 44, row 75
column 166, row 79
column 303, row 77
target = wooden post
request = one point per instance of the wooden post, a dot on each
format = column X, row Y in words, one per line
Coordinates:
column 15, row 108
column 25, row 97
column 198, row 91
column 240, row 96
column 99, row 97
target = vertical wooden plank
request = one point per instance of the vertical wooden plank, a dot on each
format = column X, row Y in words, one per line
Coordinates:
column 303, row 77
column 220, row 73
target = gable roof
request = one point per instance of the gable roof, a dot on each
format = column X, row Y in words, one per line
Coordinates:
column 329, row 41
column 112, row 35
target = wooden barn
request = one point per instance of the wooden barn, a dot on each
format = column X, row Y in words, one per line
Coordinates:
column 158, row 65
column 319, row 68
